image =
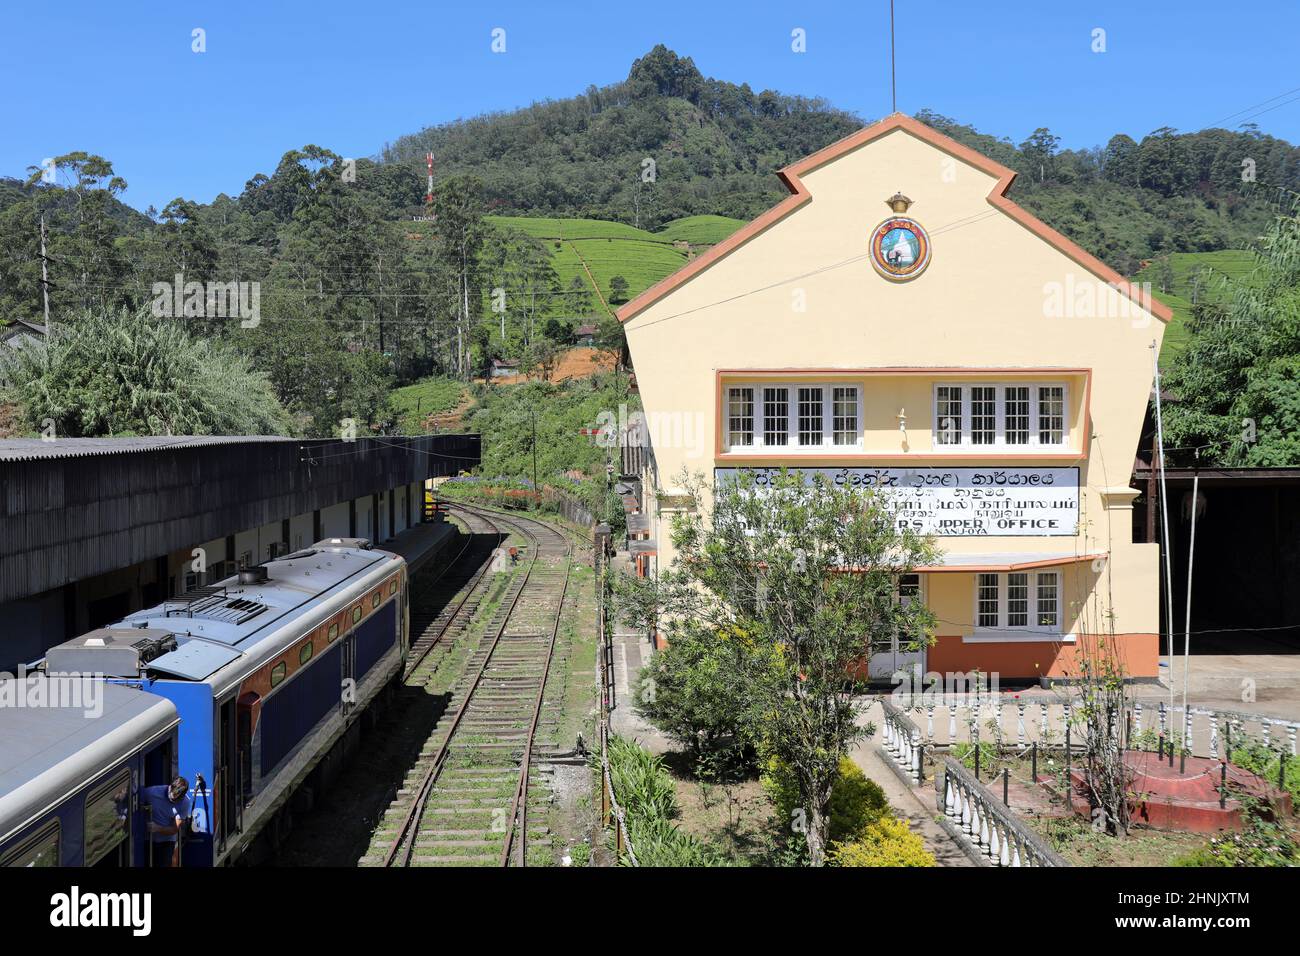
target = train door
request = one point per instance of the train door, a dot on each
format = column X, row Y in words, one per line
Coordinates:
column 233, row 767
column 349, row 673
column 158, row 767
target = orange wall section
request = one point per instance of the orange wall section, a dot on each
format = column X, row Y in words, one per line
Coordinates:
column 1140, row 653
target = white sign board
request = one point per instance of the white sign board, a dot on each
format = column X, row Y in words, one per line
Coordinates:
column 958, row 502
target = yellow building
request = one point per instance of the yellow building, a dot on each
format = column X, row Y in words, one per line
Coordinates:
column 898, row 322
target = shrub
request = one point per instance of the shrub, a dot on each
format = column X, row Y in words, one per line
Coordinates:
column 649, row 801
column 642, row 785
column 855, row 803
column 885, row 842
column 965, row 752
column 127, row 373
column 661, row 843
column 580, row 855
column 1264, row 761
column 1263, row 843
column 692, row 691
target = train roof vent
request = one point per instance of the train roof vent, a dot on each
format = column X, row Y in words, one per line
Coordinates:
column 113, row 651
column 214, row 604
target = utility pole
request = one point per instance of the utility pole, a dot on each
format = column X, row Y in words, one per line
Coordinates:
column 893, row 84
column 536, row 491
column 1167, row 538
column 1187, row 633
column 45, row 277
column 380, row 310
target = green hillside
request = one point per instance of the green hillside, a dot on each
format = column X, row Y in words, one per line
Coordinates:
column 700, row 230
column 430, row 396
column 1213, row 268
column 609, row 249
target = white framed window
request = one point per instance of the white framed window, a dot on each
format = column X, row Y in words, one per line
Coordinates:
column 844, row 415
column 1028, row 601
column 1015, row 423
column 1047, row 605
column 794, row 417
column 1000, row 415
column 1051, row 414
column 948, row 415
column 987, row 601
column 811, row 415
column 776, row 415
column 983, row 414
column 1018, row 599
column 740, row 416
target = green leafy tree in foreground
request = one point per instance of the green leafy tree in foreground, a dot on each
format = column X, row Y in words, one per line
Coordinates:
column 801, row 577
column 694, row 691
column 1238, row 381
column 131, row 374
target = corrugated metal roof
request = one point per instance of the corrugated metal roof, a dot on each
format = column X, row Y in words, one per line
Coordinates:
column 75, row 508
column 31, row 449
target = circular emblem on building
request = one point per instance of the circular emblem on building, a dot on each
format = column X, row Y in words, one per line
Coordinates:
column 900, row 247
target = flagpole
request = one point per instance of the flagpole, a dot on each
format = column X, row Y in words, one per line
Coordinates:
column 893, row 85
column 1164, row 530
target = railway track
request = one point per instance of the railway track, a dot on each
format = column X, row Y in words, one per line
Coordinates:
column 443, row 606
column 466, row 802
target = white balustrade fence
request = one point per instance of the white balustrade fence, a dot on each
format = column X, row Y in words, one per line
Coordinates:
column 984, row 824
column 902, row 742
column 1019, row 721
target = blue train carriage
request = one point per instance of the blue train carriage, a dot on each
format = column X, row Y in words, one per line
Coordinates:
column 269, row 670
column 75, row 755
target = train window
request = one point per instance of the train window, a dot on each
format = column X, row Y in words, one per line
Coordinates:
column 333, row 632
column 277, row 672
column 305, row 653
column 356, row 614
column 376, row 598
column 108, row 817
column 41, row 849
column 392, row 587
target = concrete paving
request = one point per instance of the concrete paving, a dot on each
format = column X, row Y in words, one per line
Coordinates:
column 631, row 650
column 1227, row 681
column 419, row 543
column 914, row 804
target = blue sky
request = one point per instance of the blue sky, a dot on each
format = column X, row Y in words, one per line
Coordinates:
column 121, row 79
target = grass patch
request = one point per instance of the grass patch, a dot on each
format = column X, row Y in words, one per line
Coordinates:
column 649, row 799
column 700, row 230
column 1076, row 840
column 414, row 403
column 616, row 249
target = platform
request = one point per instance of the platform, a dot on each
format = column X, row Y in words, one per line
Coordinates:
column 420, row 543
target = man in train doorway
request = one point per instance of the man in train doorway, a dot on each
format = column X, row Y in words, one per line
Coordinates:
column 169, row 808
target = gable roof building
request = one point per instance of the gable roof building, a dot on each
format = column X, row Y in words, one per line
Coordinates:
column 898, row 321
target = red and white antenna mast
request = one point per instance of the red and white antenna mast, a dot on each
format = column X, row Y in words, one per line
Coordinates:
column 428, row 196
